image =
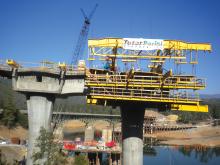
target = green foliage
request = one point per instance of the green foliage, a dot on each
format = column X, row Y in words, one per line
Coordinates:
column 10, row 113
column 78, row 104
column 6, row 87
column 22, row 120
column 47, row 150
column 9, row 101
column 214, row 107
column 81, row 160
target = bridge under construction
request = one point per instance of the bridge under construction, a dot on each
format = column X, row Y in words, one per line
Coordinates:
column 138, row 74
column 159, row 87
column 132, row 73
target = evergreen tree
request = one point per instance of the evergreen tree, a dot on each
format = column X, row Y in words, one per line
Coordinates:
column 22, row 119
column 48, row 151
column 10, row 113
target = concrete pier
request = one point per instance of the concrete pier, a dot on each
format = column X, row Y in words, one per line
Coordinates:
column 39, row 115
column 132, row 133
column 41, row 86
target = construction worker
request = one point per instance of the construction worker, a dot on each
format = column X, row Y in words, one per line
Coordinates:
column 107, row 65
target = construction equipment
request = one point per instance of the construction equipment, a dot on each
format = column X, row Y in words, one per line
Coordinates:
column 157, row 87
column 80, row 45
column 12, row 63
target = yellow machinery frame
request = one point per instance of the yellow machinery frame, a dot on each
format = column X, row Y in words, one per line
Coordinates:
column 147, row 87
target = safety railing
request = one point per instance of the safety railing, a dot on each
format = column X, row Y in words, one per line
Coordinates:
column 149, row 95
column 145, row 81
column 43, row 66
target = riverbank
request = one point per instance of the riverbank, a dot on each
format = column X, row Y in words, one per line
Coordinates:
column 204, row 135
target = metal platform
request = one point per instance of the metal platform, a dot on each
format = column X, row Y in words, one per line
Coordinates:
column 156, row 87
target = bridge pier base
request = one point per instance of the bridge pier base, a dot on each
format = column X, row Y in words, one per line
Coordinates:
column 115, row 159
column 39, row 115
column 132, row 134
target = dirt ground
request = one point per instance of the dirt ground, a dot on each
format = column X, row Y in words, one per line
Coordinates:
column 19, row 132
column 11, row 153
column 76, row 125
column 203, row 135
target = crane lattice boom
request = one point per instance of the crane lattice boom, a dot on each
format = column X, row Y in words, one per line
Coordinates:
column 80, row 45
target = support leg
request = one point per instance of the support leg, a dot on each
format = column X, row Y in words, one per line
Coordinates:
column 132, row 134
column 39, row 115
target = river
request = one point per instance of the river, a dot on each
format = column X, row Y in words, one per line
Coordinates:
column 156, row 154
column 182, row 155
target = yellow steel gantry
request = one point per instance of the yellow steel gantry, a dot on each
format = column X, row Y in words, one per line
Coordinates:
column 154, row 86
column 168, row 44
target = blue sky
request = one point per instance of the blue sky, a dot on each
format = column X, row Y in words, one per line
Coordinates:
column 33, row 30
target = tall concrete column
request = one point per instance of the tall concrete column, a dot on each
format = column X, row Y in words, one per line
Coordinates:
column 41, row 86
column 39, row 115
column 132, row 133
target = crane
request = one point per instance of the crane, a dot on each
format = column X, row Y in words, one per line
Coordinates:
column 80, row 45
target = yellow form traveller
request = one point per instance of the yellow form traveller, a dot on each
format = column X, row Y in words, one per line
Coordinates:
column 145, row 70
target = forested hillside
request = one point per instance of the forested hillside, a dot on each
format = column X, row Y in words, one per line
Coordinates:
column 14, row 100
column 71, row 103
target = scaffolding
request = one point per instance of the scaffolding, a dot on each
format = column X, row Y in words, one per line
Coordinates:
column 150, row 83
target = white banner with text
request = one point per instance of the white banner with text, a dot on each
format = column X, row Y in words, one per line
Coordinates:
column 142, row 44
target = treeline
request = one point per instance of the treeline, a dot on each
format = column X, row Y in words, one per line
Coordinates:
column 11, row 101
column 194, row 117
column 214, row 107
column 70, row 104
column 78, row 104
column 10, row 115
